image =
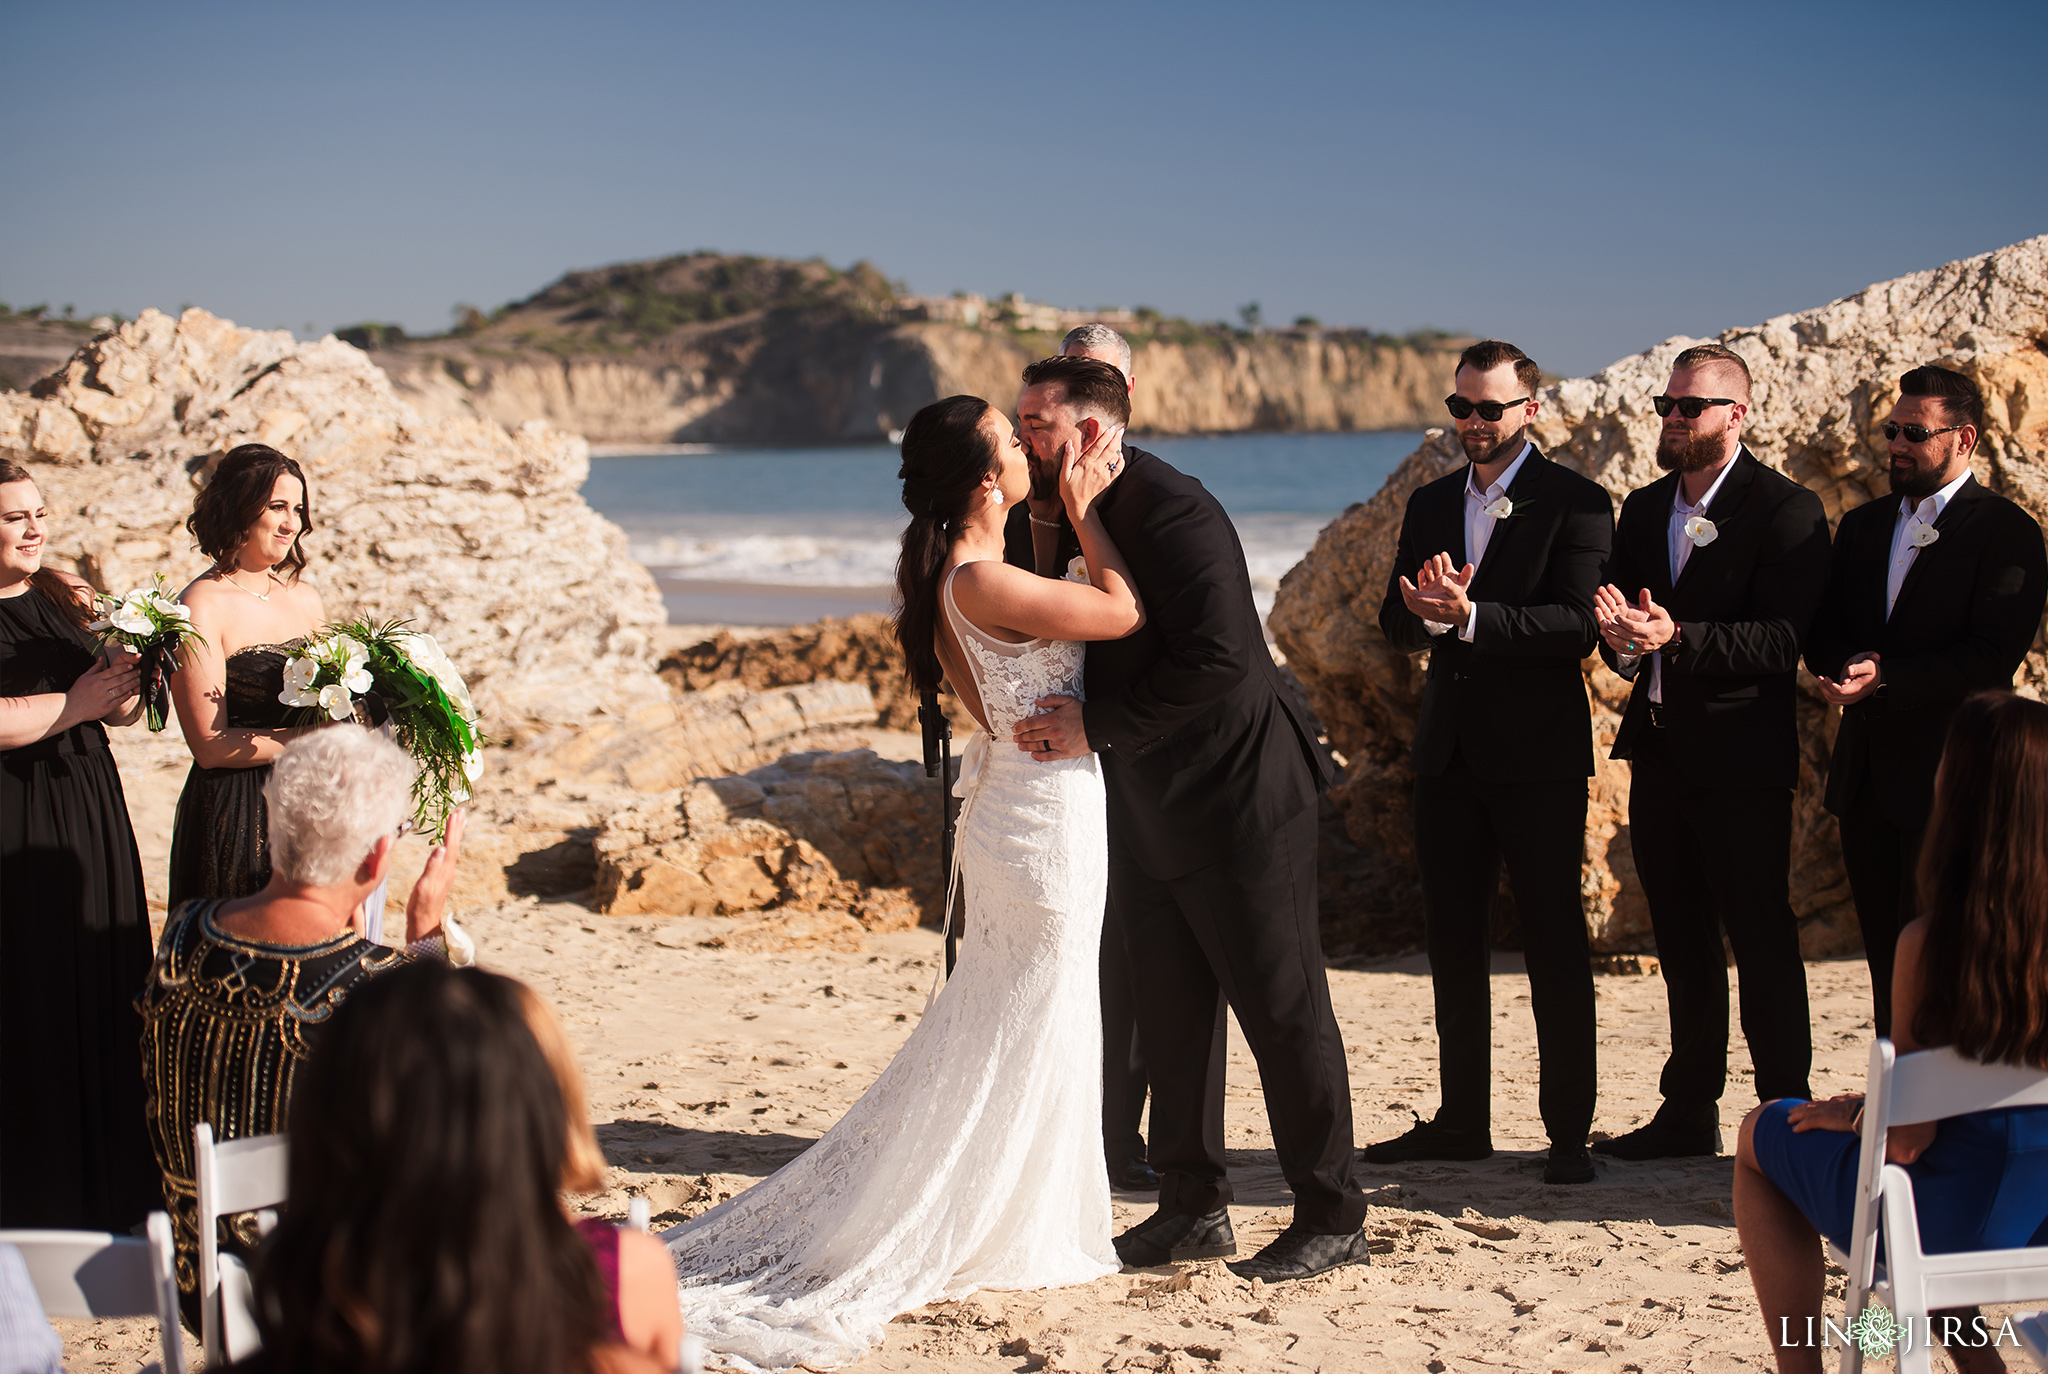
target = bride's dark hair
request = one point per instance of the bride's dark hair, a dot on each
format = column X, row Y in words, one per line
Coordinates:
column 946, row 454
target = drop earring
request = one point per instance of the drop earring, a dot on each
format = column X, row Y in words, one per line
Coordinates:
column 995, row 496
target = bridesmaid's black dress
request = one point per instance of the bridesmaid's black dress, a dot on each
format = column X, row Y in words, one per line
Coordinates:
column 220, row 844
column 74, row 951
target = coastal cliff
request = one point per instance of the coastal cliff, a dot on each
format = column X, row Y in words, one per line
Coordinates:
column 714, row 349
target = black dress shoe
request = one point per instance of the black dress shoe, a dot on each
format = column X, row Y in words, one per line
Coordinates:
column 1172, row 1237
column 1302, row 1254
column 1430, row 1140
column 1673, row 1133
column 1135, row 1177
column 1568, row 1164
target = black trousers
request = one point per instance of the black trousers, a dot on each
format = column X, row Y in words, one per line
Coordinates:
column 1713, row 860
column 1123, row 1059
column 1881, row 858
column 1242, row 930
column 1465, row 829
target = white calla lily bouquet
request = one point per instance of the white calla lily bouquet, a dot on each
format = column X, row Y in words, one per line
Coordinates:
column 432, row 716
column 149, row 621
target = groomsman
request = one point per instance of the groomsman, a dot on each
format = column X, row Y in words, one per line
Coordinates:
column 1038, row 536
column 1495, row 575
column 1932, row 597
column 1718, row 569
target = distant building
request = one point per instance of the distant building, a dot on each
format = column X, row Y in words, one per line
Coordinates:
column 1011, row 312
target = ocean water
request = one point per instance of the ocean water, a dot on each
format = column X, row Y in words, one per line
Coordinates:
column 786, row 536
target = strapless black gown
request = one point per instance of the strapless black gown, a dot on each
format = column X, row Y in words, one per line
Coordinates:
column 220, row 845
column 74, row 951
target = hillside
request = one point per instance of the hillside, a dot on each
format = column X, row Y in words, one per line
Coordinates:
column 710, row 348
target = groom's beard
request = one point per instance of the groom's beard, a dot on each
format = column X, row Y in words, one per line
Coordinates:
column 1045, row 478
column 1481, row 448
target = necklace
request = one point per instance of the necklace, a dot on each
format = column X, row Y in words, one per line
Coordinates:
column 229, row 578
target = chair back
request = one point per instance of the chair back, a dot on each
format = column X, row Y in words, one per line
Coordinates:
column 1932, row 1084
column 95, row 1274
column 233, row 1176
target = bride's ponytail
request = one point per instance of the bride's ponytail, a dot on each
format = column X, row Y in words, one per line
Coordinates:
column 946, row 454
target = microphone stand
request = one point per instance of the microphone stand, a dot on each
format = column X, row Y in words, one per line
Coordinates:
column 938, row 762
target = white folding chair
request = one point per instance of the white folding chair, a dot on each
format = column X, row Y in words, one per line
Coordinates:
column 94, row 1274
column 234, row 1176
column 1902, row 1091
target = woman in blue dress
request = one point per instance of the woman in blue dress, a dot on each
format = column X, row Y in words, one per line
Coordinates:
column 1972, row 973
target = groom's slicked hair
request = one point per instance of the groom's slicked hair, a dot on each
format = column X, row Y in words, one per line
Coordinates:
column 1090, row 385
column 1488, row 354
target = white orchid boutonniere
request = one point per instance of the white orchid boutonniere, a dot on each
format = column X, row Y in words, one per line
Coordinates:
column 1922, row 535
column 1500, row 508
column 1701, row 531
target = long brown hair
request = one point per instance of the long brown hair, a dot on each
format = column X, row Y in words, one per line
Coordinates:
column 1984, row 885
column 425, row 1234
column 76, row 606
column 946, row 454
column 236, row 494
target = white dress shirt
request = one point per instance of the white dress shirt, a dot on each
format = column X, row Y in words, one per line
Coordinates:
column 1479, row 527
column 1680, row 548
column 1913, row 516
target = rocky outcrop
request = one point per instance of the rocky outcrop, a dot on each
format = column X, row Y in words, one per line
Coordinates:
column 860, row 648
column 814, row 849
column 1824, row 381
column 712, row 349
column 474, row 532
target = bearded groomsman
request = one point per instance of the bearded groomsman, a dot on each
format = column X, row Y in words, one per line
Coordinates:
column 1932, row 597
column 1718, row 569
column 1495, row 576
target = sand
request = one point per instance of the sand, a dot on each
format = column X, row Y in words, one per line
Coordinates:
column 708, row 1069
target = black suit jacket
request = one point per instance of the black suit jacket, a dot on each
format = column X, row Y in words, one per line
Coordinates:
column 1514, row 696
column 1743, row 605
column 1203, row 749
column 1968, row 610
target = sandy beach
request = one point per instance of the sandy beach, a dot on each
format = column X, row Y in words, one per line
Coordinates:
column 708, row 1069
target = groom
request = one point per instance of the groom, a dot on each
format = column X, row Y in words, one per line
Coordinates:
column 1212, row 778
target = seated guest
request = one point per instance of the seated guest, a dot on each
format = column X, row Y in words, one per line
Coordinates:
column 639, row 1279
column 1971, row 972
column 426, row 1234
column 241, row 987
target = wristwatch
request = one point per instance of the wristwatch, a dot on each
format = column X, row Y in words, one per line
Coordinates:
column 1671, row 646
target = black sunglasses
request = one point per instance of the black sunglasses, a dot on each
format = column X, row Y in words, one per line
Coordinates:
column 1489, row 411
column 1915, row 434
column 1691, row 407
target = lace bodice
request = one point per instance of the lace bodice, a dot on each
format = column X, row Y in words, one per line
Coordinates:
column 1012, row 677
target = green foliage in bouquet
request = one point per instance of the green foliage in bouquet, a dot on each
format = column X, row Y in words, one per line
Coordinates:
column 150, row 621
column 431, row 715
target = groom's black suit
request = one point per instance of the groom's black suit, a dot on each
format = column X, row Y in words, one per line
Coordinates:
column 1213, row 776
column 1967, row 611
column 1502, row 751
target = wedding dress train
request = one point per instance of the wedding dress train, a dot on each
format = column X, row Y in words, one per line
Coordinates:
column 975, row 1160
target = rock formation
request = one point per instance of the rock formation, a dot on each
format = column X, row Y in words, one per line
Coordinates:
column 716, row 349
column 475, row 533
column 1824, row 381
column 814, row 849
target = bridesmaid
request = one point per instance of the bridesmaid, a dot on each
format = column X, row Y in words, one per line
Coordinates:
column 74, row 924
column 253, row 611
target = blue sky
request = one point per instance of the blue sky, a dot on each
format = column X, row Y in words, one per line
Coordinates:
column 1582, row 179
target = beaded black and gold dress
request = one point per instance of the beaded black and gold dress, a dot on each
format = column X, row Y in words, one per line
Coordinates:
column 74, row 947
column 220, row 843
column 226, row 1024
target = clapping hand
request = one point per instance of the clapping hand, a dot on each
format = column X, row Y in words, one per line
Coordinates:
column 1438, row 591
column 1086, row 474
column 1861, row 676
column 1637, row 628
column 108, row 688
column 423, row 910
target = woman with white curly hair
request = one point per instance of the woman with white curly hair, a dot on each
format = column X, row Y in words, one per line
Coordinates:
column 242, row 985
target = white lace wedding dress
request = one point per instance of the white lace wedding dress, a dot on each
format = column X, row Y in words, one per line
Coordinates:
column 975, row 1160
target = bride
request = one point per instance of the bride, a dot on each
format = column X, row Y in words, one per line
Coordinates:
column 975, row 1160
